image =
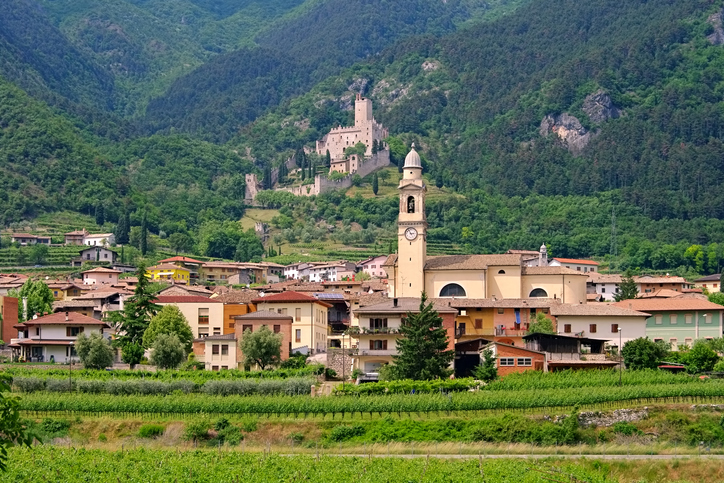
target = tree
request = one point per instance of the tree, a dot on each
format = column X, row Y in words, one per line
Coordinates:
column 169, row 320
column 422, row 347
column 144, row 234
column 248, row 247
column 13, row 430
column 716, row 298
column 375, row 184
column 123, row 228
column 541, row 325
column 328, row 159
column 487, row 371
column 132, row 322
column 180, row 242
column 100, row 214
column 167, row 352
column 643, row 353
column 701, row 358
column 262, row 347
column 39, row 253
column 39, row 296
column 627, row 288
column 95, row 352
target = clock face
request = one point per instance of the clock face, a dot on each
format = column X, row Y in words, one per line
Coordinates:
column 410, row 233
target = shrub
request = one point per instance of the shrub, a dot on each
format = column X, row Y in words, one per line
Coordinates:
column 29, row 384
column 221, row 424
column 58, row 385
column 55, row 427
column 249, row 426
column 150, row 430
column 102, row 438
column 91, row 386
column 626, row 429
column 344, row 433
column 196, row 430
column 186, row 387
column 230, row 435
column 296, row 438
column 330, row 373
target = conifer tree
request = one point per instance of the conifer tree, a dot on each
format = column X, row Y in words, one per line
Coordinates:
column 422, row 349
column 328, row 159
column 374, row 147
column 100, row 214
column 144, row 234
column 122, row 228
column 375, row 184
column 627, row 289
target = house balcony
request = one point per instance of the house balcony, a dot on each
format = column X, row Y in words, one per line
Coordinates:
column 358, row 331
column 377, row 352
column 510, row 332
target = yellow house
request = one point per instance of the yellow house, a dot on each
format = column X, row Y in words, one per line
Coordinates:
column 310, row 317
column 169, row 272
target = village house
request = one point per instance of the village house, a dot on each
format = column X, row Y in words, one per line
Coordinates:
column 236, row 303
column 379, row 326
column 191, row 265
column 51, row 338
column 514, row 359
column 220, row 272
column 650, row 283
column 217, row 352
column 678, row 320
column 99, row 240
column 711, row 283
column 76, row 237
column 25, row 239
column 601, row 322
column 169, row 272
column 584, row 266
column 309, row 327
column 565, row 352
column 100, row 275
column 85, row 307
column 63, row 290
column 605, row 286
column 97, row 254
column 373, row 266
column 105, row 299
column 204, row 315
column 332, row 272
column 8, row 318
column 274, row 321
column 184, row 290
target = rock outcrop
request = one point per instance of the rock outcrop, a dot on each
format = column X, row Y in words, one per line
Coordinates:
column 717, row 37
column 599, row 107
column 569, row 130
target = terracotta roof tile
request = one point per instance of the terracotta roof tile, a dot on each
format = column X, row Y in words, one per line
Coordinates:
column 576, row 261
column 184, row 299
column 471, row 262
column 180, row 259
column 677, row 303
column 289, row 296
column 551, row 271
column 404, row 305
column 238, row 297
column 59, row 318
column 595, row 310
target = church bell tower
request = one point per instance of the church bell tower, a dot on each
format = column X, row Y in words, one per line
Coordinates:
column 411, row 229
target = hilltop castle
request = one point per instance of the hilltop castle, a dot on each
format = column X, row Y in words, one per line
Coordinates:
column 365, row 130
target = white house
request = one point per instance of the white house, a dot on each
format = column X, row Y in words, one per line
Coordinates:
column 101, row 239
column 52, row 337
column 101, row 275
column 600, row 321
column 584, row 266
column 604, row 285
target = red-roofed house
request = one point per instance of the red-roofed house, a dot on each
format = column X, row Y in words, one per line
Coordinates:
column 52, row 337
column 310, row 317
column 100, row 275
column 204, row 315
column 584, row 266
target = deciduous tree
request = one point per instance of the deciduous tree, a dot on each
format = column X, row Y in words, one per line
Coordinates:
column 643, row 353
column 487, row 371
column 167, row 352
column 95, row 351
column 39, row 296
column 169, row 320
column 13, row 430
column 541, row 325
column 262, row 347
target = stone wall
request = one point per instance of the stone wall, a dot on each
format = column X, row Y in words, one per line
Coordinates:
column 335, row 361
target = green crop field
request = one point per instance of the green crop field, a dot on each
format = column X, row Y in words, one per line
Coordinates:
column 59, row 464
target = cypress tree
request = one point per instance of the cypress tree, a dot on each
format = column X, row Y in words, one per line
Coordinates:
column 374, row 147
column 375, row 184
column 328, row 159
column 627, row 288
column 100, row 214
column 144, row 234
column 122, row 228
column 423, row 352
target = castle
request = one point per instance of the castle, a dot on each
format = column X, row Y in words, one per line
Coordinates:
column 365, row 130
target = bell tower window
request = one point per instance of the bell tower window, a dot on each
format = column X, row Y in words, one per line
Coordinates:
column 410, row 204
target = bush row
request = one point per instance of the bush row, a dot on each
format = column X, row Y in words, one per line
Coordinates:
column 243, row 387
column 408, row 387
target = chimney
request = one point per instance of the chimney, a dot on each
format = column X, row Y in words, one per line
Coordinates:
column 554, row 296
column 394, row 302
column 66, row 317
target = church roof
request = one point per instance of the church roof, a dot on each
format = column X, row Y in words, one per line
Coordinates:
column 551, row 271
column 413, row 159
column 470, row 262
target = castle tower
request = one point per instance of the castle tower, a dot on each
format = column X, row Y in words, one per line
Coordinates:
column 411, row 229
column 362, row 112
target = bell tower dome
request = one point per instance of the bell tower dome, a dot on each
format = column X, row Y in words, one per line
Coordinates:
column 411, row 229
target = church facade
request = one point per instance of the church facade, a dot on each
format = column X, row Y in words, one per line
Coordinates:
column 411, row 271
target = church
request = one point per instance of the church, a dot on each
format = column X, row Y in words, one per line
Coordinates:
column 411, row 271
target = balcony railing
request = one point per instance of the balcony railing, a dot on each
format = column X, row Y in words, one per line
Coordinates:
column 373, row 331
column 378, row 352
column 511, row 332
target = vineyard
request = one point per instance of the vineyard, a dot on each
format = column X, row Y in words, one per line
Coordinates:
column 341, row 406
column 58, row 464
column 577, row 379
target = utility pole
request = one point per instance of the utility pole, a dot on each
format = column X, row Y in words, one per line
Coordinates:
column 620, row 359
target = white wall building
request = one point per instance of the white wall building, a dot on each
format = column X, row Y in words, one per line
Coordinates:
column 600, row 321
column 101, row 239
column 584, row 266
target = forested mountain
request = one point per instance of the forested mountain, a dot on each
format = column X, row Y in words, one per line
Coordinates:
column 231, row 90
column 506, row 111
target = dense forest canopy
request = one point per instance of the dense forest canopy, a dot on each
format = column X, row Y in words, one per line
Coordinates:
column 162, row 107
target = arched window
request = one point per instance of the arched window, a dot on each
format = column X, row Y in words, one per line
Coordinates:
column 539, row 292
column 501, row 272
column 452, row 290
column 410, row 204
